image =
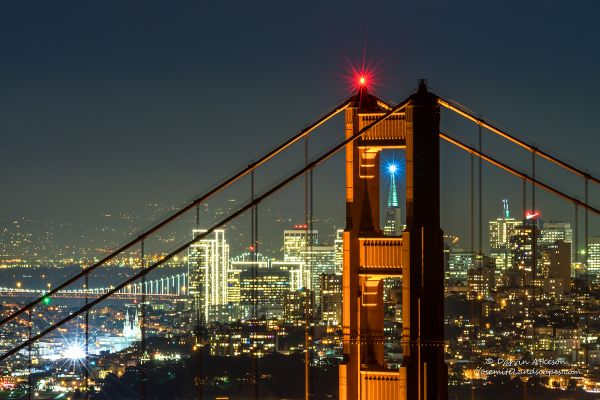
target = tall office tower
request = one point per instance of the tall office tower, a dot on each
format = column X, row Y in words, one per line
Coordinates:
column 459, row 263
column 554, row 231
column 393, row 215
column 521, row 248
column 298, row 274
column 295, row 242
column 262, row 292
column 208, row 262
column 556, row 269
column 481, row 280
column 338, row 244
column 593, row 256
column 233, row 293
column 319, row 259
column 393, row 227
column 501, row 229
column 236, row 266
column 331, row 299
column 295, row 306
column 560, row 260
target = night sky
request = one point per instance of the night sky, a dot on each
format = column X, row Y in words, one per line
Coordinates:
column 113, row 105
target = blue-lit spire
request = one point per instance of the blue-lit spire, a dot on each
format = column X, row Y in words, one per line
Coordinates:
column 393, row 194
column 506, row 212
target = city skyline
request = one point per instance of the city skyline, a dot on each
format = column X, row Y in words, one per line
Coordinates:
column 279, row 200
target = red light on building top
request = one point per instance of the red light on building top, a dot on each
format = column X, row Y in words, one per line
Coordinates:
column 362, row 81
column 251, row 248
column 532, row 214
column 301, row 226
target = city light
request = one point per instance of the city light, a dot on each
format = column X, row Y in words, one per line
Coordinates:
column 362, row 80
column 392, row 165
column 74, row 352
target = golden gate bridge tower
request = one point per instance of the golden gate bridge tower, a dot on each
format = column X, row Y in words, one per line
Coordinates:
column 416, row 256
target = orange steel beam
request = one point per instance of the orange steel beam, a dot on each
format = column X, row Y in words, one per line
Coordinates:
column 528, row 147
column 513, row 171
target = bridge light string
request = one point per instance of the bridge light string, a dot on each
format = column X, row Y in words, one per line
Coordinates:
column 522, row 175
column 341, row 107
column 397, row 108
column 481, row 122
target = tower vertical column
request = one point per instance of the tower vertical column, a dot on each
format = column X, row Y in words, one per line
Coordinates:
column 422, row 243
column 368, row 256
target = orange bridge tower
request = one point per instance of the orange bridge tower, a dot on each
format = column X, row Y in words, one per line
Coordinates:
column 416, row 256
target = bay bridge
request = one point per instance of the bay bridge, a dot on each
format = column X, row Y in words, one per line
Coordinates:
column 371, row 126
column 164, row 288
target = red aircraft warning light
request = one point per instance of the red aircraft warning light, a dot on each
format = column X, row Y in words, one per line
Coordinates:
column 362, row 81
column 532, row 214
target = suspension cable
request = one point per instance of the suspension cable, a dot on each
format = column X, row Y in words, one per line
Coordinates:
column 479, row 121
column 534, row 233
column 313, row 294
column 197, row 315
column 254, row 258
column 519, row 174
column 585, row 226
column 524, row 190
column 307, row 254
column 143, row 325
column 182, row 211
column 480, row 187
column 576, row 238
column 201, row 236
column 87, row 341
column 29, row 362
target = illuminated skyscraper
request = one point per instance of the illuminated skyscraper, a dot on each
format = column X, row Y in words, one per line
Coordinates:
column 552, row 232
column 459, row 263
column 299, row 275
column 555, row 269
column 236, row 266
column 593, row 256
column 393, row 227
column 393, row 215
column 318, row 259
column 296, row 305
column 331, row 299
column 262, row 291
column 295, row 242
column 208, row 262
column 521, row 244
column 481, row 279
column 338, row 245
column 501, row 230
